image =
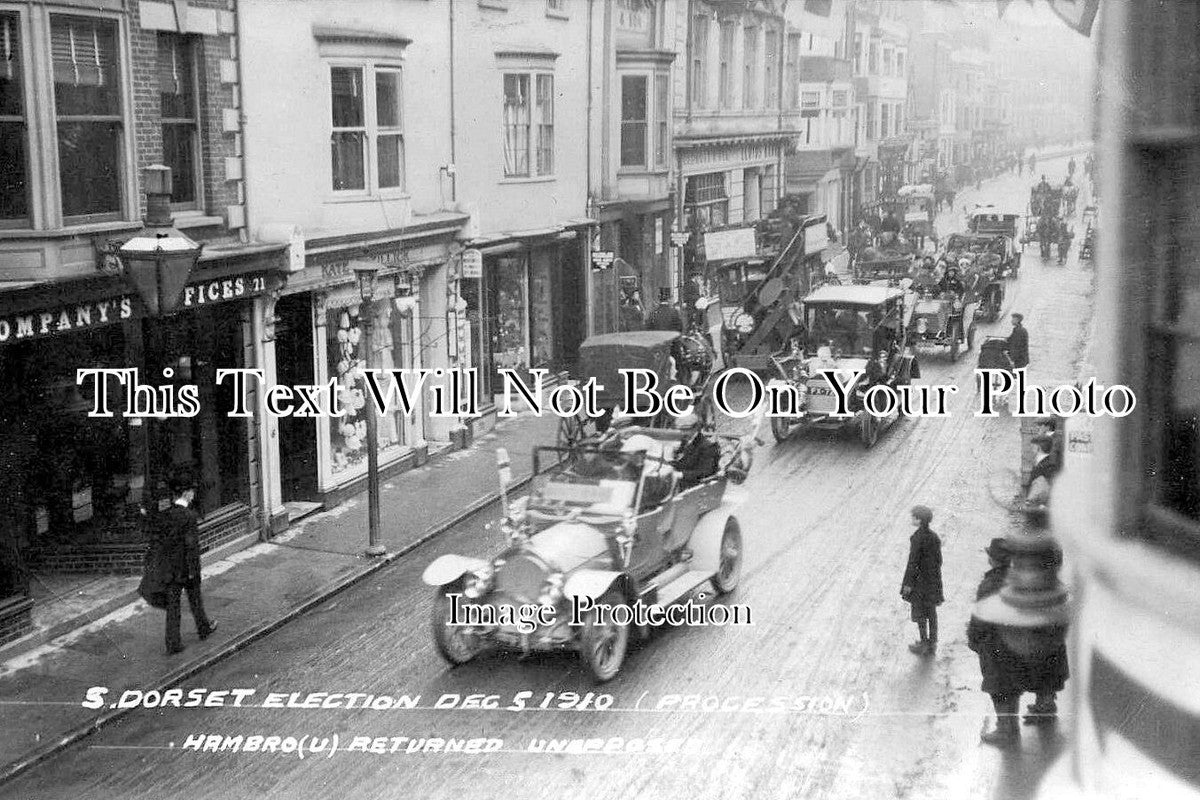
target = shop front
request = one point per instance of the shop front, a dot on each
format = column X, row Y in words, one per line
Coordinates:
column 526, row 309
column 77, row 488
column 319, row 338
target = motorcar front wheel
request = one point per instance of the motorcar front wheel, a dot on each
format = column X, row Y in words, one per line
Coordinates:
column 456, row 643
column 729, row 567
column 603, row 643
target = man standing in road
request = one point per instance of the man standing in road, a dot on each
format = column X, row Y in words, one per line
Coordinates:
column 664, row 316
column 1018, row 343
column 179, row 531
column 922, row 583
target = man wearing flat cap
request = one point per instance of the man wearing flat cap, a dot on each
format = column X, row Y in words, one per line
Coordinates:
column 922, row 583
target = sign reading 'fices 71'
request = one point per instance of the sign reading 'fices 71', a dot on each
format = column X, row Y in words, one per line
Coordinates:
column 77, row 316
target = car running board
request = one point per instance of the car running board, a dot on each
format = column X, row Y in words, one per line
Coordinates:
column 686, row 583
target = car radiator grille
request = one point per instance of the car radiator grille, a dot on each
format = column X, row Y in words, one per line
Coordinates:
column 521, row 578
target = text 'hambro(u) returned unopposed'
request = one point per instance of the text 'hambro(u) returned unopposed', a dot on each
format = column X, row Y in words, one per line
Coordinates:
column 453, row 394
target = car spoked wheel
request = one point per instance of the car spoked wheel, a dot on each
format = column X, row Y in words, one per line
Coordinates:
column 729, row 569
column 783, row 428
column 457, row 643
column 603, row 643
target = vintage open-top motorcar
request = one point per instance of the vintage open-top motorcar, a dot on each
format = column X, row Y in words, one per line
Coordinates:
column 611, row 524
column 944, row 320
column 845, row 327
column 988, row 218
column 994, row 258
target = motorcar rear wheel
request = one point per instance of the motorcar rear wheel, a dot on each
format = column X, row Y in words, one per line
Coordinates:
column 602, row 644
column 729, row 568
column 869, row 430
column 456, row 643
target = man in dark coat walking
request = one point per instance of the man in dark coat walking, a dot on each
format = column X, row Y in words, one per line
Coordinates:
column 1018, row 343
column 922, row 583
column 179, row 532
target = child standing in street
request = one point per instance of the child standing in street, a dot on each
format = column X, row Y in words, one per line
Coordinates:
column 922, row 583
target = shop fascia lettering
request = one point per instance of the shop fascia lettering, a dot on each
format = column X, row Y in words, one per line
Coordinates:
column 197, row 294
column 70, row 318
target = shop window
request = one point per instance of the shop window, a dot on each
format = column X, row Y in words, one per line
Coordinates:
column 706, row 201
column 509, row 312
column 519, row 117
column 347, row 358
column 634, row 120
column 14, row 161
column 750, row 68
column 180, row 117
column 367, row 137
column 87, row 104
column 725, row 88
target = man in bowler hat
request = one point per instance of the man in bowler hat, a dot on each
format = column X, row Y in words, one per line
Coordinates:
column 179, row 530
column 1018, row 343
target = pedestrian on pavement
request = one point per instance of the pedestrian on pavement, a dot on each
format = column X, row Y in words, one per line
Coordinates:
column 922, row 583
column 664, row 316
column 177, row 529
column 1018, row 343
column 999, row 666
column 1006, row 673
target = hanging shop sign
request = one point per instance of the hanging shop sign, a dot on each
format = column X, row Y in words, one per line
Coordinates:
column 472, row 263
column 735, row 243
column 602, row 259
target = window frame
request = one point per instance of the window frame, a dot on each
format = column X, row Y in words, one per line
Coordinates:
column 121, row 118
column 644, row 123
column 751, row 70
column 369, row 68
column 24, row 67
column 534, row 124
column 188, row 42
column 771, row 45
column 725, row 54
column 698, row 69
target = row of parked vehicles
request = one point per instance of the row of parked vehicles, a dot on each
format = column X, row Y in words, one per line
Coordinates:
column 626, row 511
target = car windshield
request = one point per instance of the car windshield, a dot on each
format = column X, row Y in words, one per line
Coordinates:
column 588, row 479
column 846, row 330
column 929, row 307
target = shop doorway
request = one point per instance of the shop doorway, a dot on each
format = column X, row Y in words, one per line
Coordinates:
column 295, row 365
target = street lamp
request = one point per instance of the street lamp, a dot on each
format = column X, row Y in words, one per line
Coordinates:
column 366, row 271
column 159, row 259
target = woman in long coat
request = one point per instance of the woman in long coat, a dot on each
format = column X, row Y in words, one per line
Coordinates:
column 922, row 583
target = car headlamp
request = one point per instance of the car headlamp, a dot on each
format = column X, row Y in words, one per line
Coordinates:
column 552, row 591
column 922, row 325
column 479, row 582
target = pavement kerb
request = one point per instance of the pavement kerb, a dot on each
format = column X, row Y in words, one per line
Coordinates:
column 186, row 671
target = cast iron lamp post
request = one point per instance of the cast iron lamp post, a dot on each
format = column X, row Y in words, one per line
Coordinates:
column 159, row 259
column 365, row 272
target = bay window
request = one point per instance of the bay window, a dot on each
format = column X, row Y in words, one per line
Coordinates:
column 634, row 120
column 662, row 111
column 14, row 165
column 367, row 137
column 545, row 116
column 87, row 105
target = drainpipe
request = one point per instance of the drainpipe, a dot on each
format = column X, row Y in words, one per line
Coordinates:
column 588, row 289
column 780, row 63
column 244, row 234
column 453, row 125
